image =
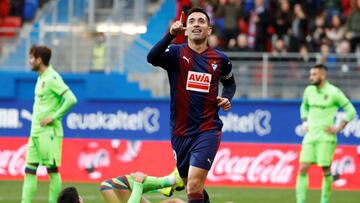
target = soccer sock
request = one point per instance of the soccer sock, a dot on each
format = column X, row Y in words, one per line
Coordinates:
column 153, row 183
column 326, row 188
column 301, row 187
column 30, row 184
column 136, row 193
column 55, row 184
column 196, row 198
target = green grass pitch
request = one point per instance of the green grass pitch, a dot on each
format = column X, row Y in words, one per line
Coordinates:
column 10, row 192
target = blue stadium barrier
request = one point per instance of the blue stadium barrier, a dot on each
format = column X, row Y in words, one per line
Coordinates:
column 19, row 86
column 248, row 121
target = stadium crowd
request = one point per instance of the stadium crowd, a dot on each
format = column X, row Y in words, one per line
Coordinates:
column 281, row 26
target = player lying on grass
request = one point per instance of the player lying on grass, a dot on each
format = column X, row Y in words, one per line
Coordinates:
column 129, row 188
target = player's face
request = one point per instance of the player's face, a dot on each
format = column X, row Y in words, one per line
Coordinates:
column 316, row 76
column 198, row 28
column 34, row 62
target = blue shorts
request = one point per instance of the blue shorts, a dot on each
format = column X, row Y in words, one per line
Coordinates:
column 198, row 151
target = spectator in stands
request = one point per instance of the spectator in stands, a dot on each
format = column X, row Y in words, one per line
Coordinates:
column 304, row 53
column 98, row 53
column 242, row 43
column 182, row 5
column 333, row 7
column 326, row 56
column 17, row 7
column 4, row 8
column 318, row 32
column 282, row 21
column 214, row 42
column 209, row 8
column 298, row 28
column 231, row 12
column 231, row 46
column 279, row 48
column 343, row 48
column 259, row 19
column 288, row 20
column 352, row 27
column 336, row 32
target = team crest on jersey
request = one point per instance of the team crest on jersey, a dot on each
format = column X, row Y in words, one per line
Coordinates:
column 43, row 84
column 214, row 65
column 198, row 82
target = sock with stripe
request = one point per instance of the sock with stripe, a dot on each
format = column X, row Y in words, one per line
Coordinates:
column 195, row 198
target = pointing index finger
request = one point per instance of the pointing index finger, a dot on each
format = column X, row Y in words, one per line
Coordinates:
column 182, row 17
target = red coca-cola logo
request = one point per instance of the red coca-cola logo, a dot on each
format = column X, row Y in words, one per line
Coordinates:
column 12, row 162
column 92, row 159
column 270, row 166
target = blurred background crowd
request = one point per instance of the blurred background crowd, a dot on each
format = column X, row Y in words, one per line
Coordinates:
column 281, row 26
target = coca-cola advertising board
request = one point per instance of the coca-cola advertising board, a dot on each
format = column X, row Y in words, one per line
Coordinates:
column 236, row 164
column 248, row 121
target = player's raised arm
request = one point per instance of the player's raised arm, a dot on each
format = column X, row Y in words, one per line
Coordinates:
column 159, row 52
column 178, row 26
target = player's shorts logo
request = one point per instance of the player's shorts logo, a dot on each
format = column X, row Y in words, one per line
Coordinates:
column 199, row 82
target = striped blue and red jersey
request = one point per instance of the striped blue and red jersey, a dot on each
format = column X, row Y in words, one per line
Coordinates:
column 194, row 85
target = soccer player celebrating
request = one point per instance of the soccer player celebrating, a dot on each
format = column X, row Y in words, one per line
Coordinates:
column 53, row 99
column 194, row 70
column 130, row 188
column 320, row 103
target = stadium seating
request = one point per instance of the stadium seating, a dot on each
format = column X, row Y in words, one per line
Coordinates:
column 156, row 28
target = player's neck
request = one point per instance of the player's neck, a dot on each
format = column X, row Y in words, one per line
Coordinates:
column 42, row 69
column 197, row 47
column 322, row 84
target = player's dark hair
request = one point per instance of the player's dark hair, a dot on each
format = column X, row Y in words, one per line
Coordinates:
column 198, row 10
column 69, row 195
column 41, row 51
column 321, row 67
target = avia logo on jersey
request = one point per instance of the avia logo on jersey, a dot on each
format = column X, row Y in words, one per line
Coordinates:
column 198, row 82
